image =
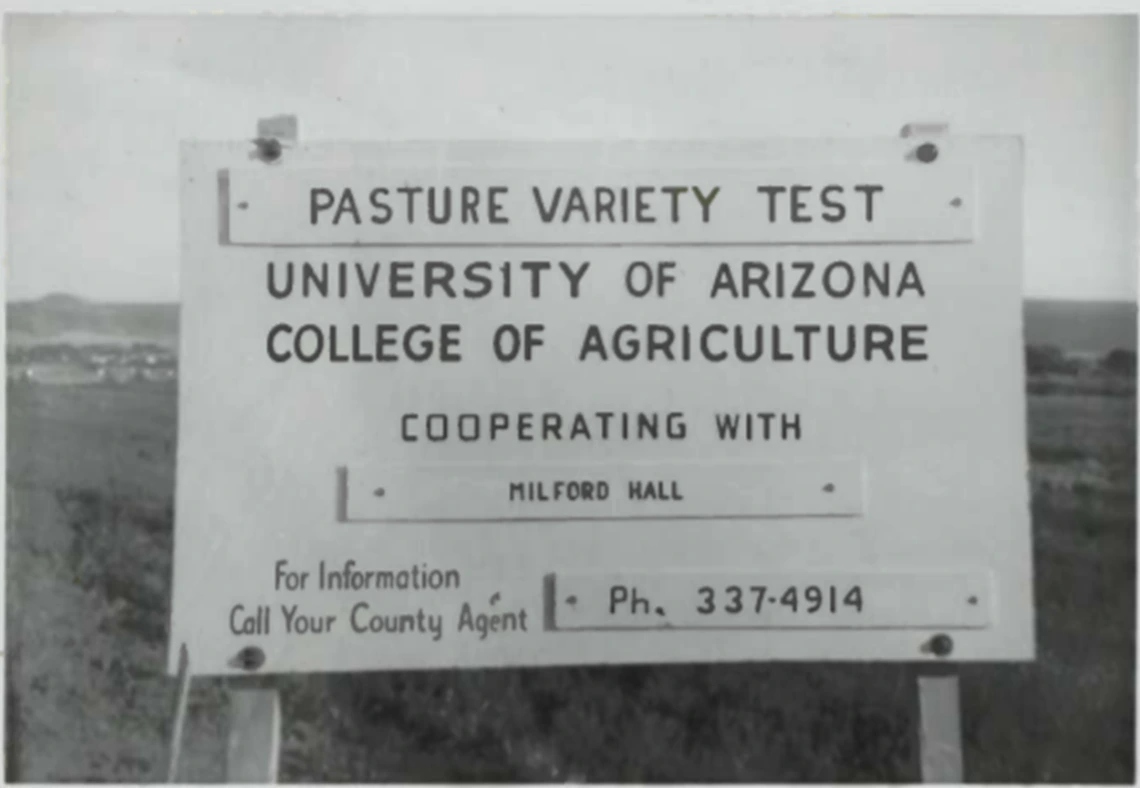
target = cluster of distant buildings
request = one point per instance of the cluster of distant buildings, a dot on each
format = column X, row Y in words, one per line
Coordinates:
column 72, row 365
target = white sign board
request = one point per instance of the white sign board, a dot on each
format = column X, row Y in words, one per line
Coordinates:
column 487, row 404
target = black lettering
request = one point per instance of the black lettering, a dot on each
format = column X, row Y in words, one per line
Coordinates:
column 408, row 437
column 654, row 343
column 400, row 273
column 724, row 280
column 576, row 203
column 642, row 214
column 385, row 209
column 318, row 339
column 869, row 192
column 535, row 269
column 705, row 201
column 367, row 286
column 778, row 354
column 274, row 354
column 320, row 200
column 551, row 425
column 499, row 423
column 312, row 279
column 469, row 205
column 547, row 214
column 758, row 345
column 282, row 292
column 436, row 427
column 838, row 209
column 881, row 283
column 771, row 191
column 473, row 274
column 675, row 193
column 801, row 290
column 438, row 274
column 719, row 328
column 449, row 334
column 836, row 355
column 829, row 283
column 472, row 432
column 910, row 280
column 495, row 207
column 410, row 192
column 878, row 337
column 421, row 352
column 385, row 340
column 336, row 355
column 754, row 275
column 347, row 205
column 574, row 277
column 798, row 205
column 443, row 215
column 604, row 207
column 807, row 331
column 629, row 351
column 913, row 343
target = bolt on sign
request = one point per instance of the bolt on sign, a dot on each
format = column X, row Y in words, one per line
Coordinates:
column 489, row 404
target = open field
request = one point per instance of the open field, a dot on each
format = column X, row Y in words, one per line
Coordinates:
column 91, row 474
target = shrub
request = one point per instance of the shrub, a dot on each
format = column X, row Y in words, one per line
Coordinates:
column 1119, row 362
column 1049, row 359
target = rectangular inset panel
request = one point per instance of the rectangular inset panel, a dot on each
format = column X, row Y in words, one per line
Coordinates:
column 897, row 201
column 600, row 492
column 778, row 599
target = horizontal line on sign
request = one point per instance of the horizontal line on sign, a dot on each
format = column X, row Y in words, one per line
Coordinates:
column 601, row 518
column 753, row 627
column 585, row 245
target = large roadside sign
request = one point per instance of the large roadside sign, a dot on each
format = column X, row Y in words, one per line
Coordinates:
column 491, row 404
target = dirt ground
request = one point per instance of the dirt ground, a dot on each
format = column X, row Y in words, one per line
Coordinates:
column 91, row 474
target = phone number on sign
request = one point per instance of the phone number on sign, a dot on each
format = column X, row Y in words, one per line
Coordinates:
column 795, row 599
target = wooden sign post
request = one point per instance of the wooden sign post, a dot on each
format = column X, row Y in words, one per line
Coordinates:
column 255, row 735
column 940, row 727
column 178, row 728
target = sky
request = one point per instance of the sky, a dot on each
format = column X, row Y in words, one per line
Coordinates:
column 96, row 107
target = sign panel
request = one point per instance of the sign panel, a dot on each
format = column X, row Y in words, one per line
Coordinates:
column 870, row 600
column 888, row 202
column 653, row 490
column 482, row 404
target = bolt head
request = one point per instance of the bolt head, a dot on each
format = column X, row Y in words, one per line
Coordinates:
column 249, row 658
column 926, row 152
column 941, row 645
column 268, row 149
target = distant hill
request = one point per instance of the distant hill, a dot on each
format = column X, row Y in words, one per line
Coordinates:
column 64, row 318
column 1086, row 327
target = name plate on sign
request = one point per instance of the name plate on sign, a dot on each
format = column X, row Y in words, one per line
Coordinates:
column 606, row 205
column 628, row 491
column 777, row 599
